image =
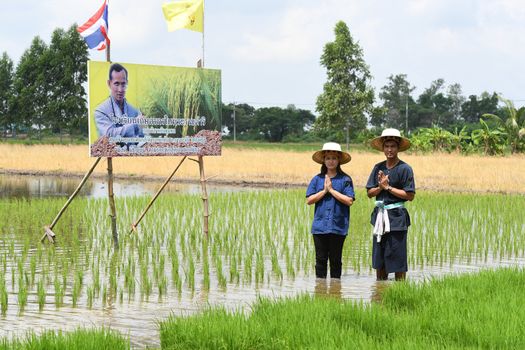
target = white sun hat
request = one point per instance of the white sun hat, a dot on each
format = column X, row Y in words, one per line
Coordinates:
column 344, row 157
column 388, row 134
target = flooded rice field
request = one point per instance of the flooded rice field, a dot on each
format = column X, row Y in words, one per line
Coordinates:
column 258, row 246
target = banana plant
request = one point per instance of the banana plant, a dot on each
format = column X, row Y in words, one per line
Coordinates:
column 514, row 124
column 492, row 140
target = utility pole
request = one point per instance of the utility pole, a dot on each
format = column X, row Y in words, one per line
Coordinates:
column 406, row 114
column 347, row 135
column 234, row 126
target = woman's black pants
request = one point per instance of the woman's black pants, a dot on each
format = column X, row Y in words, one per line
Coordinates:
column 328, row 247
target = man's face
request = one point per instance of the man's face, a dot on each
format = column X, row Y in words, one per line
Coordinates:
column 390, row 147
column 118, row 85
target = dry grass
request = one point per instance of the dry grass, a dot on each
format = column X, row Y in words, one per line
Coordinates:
column 438, row 171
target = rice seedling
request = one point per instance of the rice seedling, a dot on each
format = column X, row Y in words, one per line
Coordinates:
column 79, row 339
column 22, row 294
column 3, row 296
column 447, row 313
column 41, row 294
column 90, row 296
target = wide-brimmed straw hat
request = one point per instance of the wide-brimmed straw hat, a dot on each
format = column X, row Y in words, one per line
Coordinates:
column 392, row 134
column 344, row 157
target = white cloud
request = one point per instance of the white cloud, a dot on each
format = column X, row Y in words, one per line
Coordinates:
column 294, row 37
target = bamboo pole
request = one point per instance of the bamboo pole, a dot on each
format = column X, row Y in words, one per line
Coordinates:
column 204, row 196
column 49, row 229
column 134, row 225
column 111, row 198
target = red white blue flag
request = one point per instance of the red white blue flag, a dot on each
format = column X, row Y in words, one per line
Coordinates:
column 95, row 30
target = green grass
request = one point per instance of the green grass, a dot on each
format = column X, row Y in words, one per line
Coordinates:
column 282, row 146
column 482, row 311
column 46, row 140
column 80, row 339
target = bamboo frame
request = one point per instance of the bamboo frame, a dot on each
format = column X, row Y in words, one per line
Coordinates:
column 136, row 223
column 49, row 229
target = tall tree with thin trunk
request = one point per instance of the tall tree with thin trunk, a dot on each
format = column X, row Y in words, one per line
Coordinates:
column 347, row 95
column 6, row 92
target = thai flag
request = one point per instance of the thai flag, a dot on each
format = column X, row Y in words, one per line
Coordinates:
column 95, row 30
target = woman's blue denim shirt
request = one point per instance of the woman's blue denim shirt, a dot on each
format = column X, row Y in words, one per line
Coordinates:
column 330, row 215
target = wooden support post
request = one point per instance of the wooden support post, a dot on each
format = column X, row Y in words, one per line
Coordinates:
column 134, row 225
column 111, row 198
column 204, row 196
column 49, row 229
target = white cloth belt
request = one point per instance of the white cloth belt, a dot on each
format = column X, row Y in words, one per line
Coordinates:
column 382, row 224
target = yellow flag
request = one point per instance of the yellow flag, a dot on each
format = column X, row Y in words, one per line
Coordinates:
column 184, row 14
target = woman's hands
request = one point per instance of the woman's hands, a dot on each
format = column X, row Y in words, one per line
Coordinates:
column 327, row 184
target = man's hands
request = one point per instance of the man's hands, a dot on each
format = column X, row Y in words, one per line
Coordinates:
column 383, row 181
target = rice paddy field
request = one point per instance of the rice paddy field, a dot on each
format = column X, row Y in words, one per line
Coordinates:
column 467, row 216
column 258, row 246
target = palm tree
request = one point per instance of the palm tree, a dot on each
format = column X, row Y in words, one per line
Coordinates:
column 514, row 125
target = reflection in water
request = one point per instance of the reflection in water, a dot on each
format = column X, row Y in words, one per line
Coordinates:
column 14, row 186
column 378, row 288
column 17, row 186
column 328, row 288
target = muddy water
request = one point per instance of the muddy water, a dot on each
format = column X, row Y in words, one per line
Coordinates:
column 139, row 317
column 16, row 186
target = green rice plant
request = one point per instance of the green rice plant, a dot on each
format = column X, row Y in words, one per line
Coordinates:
column 32, row 267
column 3, row 296
column 455, row 312
column 90, row 296
column 59, row 292
column 190, row 275
column 221, row 278
column 41, row 294
column 81, row 339
column 22, row 294
column 76, row 290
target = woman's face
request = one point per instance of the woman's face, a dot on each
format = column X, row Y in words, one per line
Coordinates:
column 331, row 160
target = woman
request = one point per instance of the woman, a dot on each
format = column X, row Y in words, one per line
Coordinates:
column 391, row 182
column 332, row 191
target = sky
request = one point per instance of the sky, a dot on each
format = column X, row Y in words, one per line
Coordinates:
column 269, row 51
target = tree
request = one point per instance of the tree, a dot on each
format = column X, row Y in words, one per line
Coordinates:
column 276, row 123
column 454, row 94
column 347, row 95
column 244, row 115
column 66, row 109
column 474, row 107
column 30, row 87
column 396, row 98
column 514, row 124
column 433, row 105
column 6, row 92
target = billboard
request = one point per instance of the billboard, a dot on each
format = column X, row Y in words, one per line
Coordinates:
column 146, row 110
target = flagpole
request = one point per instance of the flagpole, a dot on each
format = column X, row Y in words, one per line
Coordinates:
column 203, row 8
column 108, row 57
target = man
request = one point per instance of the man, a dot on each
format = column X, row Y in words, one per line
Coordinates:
column 392, row 183
column 116, row 106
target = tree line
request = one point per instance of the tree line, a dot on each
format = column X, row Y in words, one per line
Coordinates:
column 44, row 93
